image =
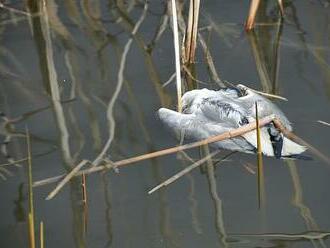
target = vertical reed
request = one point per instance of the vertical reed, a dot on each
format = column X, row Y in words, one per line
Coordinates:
column 254, row 4
column 280, row 3
column 177, row 54
column 191, row 32
column 30, row 193
column 261, row 182
column 41, row 234
column 190, row 44
column 32, row 242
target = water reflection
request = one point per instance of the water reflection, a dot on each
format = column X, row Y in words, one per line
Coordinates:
column 68, row 74
column 218, row 209
column 265, row 44
column 19, row 210
column 108, row 212
column 297, row 201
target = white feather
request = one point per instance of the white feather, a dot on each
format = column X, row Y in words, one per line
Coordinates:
column 291, row 148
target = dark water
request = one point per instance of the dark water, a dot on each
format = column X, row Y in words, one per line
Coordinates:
column 79, row 60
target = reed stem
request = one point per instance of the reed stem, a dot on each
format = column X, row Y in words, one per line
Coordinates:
column 227, row 135
column 30, row 192
column 41, row 234
column 261, row 180
column 177, row 54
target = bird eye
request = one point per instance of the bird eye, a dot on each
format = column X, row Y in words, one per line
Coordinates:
column 235, row 91
column 242, row 92
column 185, row 109
column 244, row 121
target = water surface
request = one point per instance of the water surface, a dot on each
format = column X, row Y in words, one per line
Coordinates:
column 76, row 55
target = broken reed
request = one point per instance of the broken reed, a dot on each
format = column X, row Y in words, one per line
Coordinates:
column 183, row 172
column 254, row 5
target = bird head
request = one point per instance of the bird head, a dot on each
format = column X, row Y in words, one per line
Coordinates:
column 189, row 97
column 244, row 90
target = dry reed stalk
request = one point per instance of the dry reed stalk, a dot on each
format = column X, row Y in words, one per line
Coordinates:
column 254, row 4
column 191, row 32
column 227, row 135
column 183, row 172
column 271, row 95
column 261, row 181
column 67, row 178
column 42, row 235
column 177, row 54
column 280, row 3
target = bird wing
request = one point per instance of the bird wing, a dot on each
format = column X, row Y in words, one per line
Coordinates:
column 222, row 110
column 191, row 127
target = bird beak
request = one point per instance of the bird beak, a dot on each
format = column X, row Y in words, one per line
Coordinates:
column 245, row 88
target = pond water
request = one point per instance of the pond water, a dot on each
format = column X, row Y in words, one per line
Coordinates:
column 72, row 51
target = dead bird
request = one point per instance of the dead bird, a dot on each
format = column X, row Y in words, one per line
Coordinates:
column 207, row 113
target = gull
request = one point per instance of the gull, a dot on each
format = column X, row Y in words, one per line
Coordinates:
column 207, row 113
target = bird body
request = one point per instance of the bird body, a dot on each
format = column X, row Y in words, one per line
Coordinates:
column 208, row 113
